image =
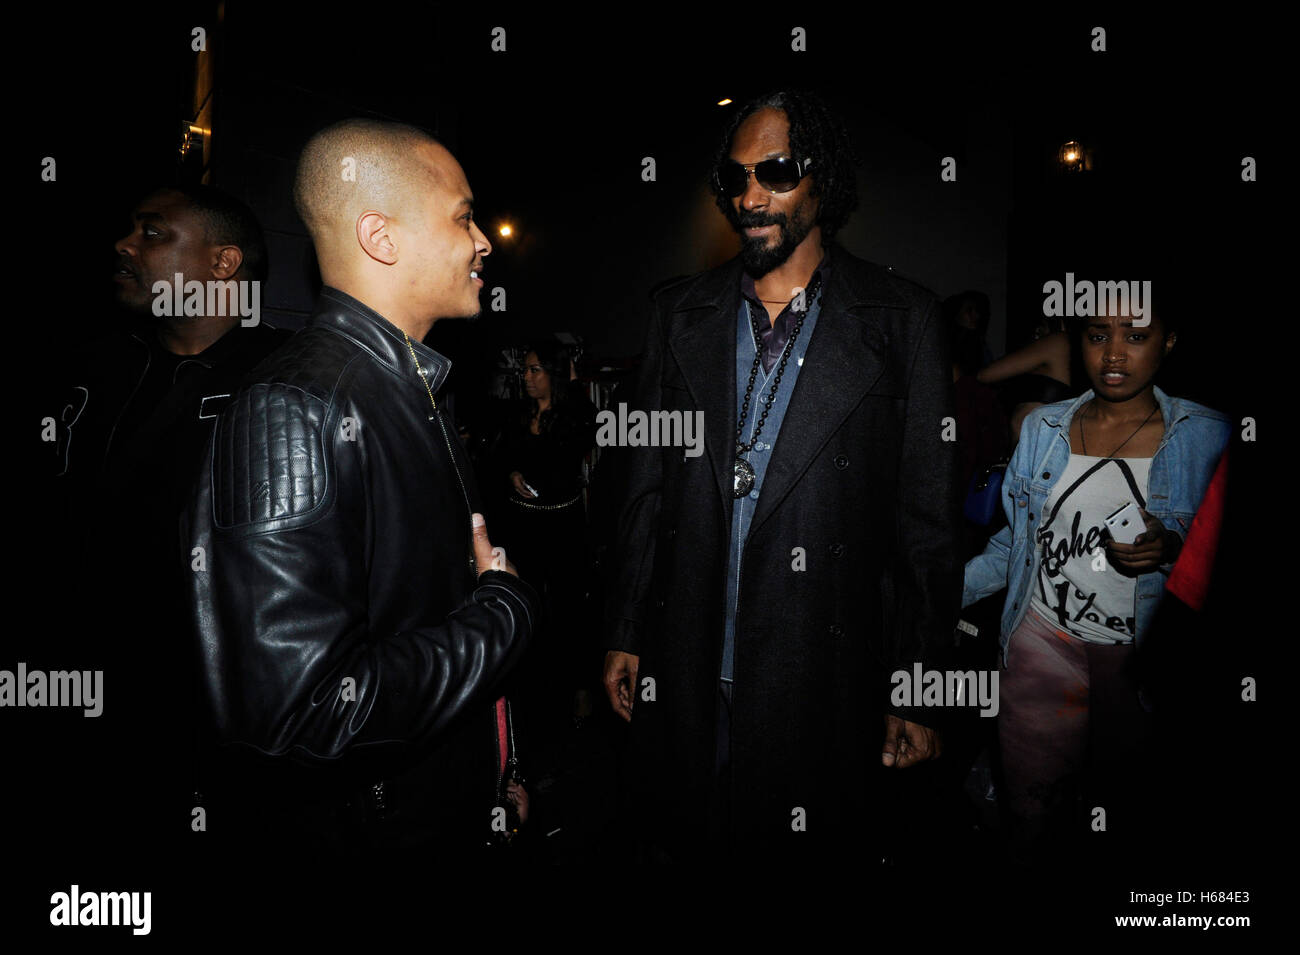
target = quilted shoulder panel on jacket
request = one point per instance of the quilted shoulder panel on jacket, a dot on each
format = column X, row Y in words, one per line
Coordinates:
column 269, row 456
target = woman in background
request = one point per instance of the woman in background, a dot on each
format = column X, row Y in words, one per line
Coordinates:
column 1036, row 375
column 541, row 455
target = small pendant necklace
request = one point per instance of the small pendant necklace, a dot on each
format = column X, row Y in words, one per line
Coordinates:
column 1084, row 441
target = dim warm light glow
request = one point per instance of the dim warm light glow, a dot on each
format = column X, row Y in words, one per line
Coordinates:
column 1070, row 155
column 724, row 102
column 506, row 231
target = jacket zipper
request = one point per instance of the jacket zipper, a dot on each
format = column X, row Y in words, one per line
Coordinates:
column 459, row 480
column 469, row 510
column 377, row 790
column 496, row 730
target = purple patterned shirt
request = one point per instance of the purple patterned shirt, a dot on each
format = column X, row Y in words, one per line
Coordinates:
column 774, row 335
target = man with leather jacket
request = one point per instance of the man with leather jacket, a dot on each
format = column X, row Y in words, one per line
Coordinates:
column 352, row 635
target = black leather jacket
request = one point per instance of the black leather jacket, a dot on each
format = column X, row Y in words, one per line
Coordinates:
column 347, row 645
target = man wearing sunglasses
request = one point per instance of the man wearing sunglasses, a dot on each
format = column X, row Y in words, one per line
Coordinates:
column 769, row 588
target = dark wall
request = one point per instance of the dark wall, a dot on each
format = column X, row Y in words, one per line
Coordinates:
column 552, row 133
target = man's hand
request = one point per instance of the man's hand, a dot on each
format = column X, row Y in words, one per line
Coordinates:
column 620, row 681
column 908, row 743
column 518, row 796
column 487, row 557
column 1153, row 547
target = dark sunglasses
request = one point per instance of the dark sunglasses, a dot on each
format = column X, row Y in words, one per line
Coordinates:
column 774, row 175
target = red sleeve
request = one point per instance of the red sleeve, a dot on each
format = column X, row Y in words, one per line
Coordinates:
column 1190, row 579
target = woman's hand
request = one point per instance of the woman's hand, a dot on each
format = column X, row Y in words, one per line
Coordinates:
column 521, row 486
column 1155, row 546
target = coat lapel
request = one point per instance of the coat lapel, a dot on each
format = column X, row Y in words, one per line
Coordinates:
column 704, row 347
column 845, row 358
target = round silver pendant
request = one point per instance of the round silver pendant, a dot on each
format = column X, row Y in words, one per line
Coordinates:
column 743, row 481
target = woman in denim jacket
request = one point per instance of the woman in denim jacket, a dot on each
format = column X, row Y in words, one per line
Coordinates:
column 1078, row 600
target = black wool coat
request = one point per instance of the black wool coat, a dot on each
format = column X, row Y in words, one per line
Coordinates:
column 863, row 485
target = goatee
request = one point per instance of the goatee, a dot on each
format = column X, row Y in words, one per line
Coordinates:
column 756, row 256
column 759, row 258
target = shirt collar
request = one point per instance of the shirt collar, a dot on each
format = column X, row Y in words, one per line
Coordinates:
column 747, row 281
column 1170, row 410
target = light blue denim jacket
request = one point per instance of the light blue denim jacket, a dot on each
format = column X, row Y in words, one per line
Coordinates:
column 1194, row 438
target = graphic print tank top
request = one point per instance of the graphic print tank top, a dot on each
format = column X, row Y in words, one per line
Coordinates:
column 1078, row 590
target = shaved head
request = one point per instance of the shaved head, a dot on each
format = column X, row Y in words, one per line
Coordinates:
column 360, row 165
column 392, row 217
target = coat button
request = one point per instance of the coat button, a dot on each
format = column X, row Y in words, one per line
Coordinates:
column 841, row 461
column 837, row 550
column 836, row 630
column 1046, row 475
column 1024, row 503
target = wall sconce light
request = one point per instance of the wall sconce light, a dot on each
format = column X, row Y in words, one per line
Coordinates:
column 192, row 138
column 1071, row 157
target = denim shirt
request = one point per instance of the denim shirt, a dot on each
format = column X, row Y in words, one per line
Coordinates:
column 1181, row 468
column 743, row 512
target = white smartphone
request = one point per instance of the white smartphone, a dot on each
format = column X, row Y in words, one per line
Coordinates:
column 1126, row 523
column 532, row 490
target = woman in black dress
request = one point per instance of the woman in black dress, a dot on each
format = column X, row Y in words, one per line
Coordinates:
column 541, row 455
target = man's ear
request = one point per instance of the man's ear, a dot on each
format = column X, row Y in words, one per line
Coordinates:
column 1170, row 340
column 227, row 262
column 375, row 237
